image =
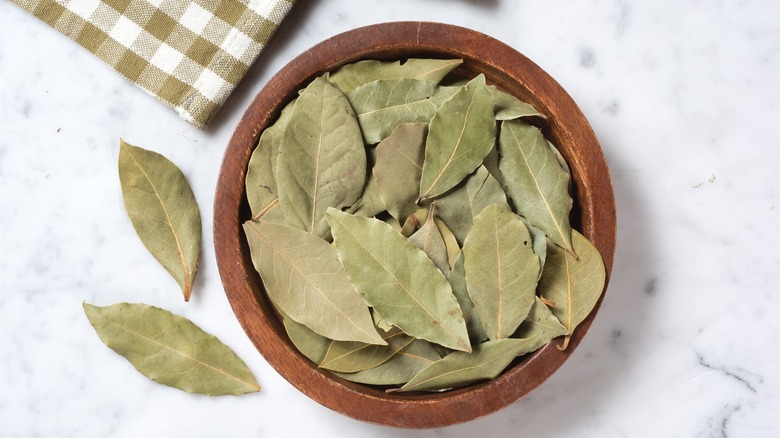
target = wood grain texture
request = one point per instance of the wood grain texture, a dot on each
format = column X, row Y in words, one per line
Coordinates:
column 566, row 127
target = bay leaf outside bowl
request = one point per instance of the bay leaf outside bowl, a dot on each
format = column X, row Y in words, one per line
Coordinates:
column 566, row 127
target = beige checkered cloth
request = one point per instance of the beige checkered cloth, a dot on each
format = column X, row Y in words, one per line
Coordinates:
column 190, row 54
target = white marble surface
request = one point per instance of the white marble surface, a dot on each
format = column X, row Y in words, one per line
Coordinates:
column 683, row 95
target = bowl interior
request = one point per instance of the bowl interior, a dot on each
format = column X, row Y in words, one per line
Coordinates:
column 566, row 127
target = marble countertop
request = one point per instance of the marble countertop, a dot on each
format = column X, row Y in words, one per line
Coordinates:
column 684, row 97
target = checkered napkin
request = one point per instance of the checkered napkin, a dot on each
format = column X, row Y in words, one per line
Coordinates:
column 190, row 54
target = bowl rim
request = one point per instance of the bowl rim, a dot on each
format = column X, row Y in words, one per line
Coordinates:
column 507, row 68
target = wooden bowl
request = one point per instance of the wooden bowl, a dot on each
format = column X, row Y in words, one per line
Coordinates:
column 566, row 127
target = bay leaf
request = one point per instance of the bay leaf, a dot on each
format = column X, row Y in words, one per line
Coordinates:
column 444, row 93
column 457, row 369
column 382, row 105
column 163, row 211
column 535, row 181
column 379, row 322
column 410, row 226
column 350, row 357
column 358, row 73
column 460, row 134
column 491, row 164
column 393, row 222
column 539, row 244
column 170, row 349
column 501, row 270
column 398, row 168
column 450, row 241
column 420, row 217
column 261, row 191
column 370, row 203
column 573, row 284
column 457, row 279
column 458, row 207
column 541, row 325
column 306, row 340
column 398, row 280
column 398, row 369
column 429, row 239
column 508, row 107
column 323, row 161
column 304, row 278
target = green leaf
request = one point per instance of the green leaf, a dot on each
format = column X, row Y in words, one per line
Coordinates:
column 381, row 323
column 261, row 191
column 163, row 211
column 458, row 207
column 491, row 164
column 398, row 280
column 370, row 203
column 429, row 239
column 398, row 169
column 444, row 93
column 398, row 369
column 539, row 244
column 573, row 284
column 308, row 342
column 304, row 278
column 323, row 161
column 170, row 349
column 458, row 369
column 501, row 270
column 358, row 73
column 541, row 325
column 460, row 135
column 535, row 181
column 457, row 279
column 381, row 106
column 508, row 107
column 350, row 357
column 450, row 241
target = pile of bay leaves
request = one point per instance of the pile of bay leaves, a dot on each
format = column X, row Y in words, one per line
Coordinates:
column 413, row 228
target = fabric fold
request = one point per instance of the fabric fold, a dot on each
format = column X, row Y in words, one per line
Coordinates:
column 189, row 54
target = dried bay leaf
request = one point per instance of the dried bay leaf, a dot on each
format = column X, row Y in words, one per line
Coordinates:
column 261, row 191
column 457, row 279
column 382, row 105
column 535, row 181
column 491, row 164
column 508, row 107
column 398, row 168
column 573, row 284
column 429, row 239
column 379, row 322
column 501, row 270
column 163, row 211
column 323, row 161
column 419, row 218
column 458, row 207
column 350, row 357
column 306, row 340
column 457, row 369
column 445, row 92
column 539, row 244
column 170, row 349
column 450, row 241
column 398, row 280
column 460, row 134
column 398, row 369
column 358, row 73
column 304, row 278
column 540, row 325
column 370, row 203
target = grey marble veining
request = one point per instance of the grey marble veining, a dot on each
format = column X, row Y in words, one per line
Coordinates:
column 685, row 100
